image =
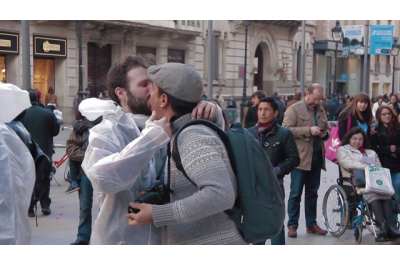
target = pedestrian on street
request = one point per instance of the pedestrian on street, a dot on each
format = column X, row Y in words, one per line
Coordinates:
column 309, row 125
column 279, row 145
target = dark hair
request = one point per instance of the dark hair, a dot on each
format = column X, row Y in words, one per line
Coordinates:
column 271, row 101
column 259, row 94
column 394, row 122
column 178, row 106
column 51, row 90
column 33, row 96
column 352, row 109
column 118, row 74
column 353, row 131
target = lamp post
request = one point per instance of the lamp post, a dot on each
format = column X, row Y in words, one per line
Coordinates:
column 80, row 62
column 395, row 52
column 246, row 24
column 336, row 36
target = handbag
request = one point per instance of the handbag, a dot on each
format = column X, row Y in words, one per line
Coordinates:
column 333, row 143
column 378, row 180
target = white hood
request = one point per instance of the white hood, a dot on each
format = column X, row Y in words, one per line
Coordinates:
column 13, row 101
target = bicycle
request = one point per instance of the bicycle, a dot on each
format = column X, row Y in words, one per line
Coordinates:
column 57, row 163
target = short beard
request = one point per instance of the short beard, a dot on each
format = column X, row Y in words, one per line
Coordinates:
column 138, row 106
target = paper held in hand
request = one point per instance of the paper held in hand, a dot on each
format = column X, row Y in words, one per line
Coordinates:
column 368, row 160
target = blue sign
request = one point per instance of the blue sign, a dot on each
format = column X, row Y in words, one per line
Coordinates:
column 381, row 39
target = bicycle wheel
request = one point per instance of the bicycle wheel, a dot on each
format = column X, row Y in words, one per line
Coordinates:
column 67, row 174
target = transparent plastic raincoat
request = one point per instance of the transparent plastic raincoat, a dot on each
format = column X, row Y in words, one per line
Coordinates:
column 122, row 161
column 17, row 178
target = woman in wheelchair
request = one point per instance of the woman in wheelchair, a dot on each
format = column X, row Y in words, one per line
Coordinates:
column 355, row 147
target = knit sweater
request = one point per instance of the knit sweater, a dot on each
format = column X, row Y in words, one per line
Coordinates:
column 196, row 214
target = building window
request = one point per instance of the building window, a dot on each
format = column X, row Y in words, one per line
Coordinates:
column 176, row 56
column 2, row 69
column 147, row 52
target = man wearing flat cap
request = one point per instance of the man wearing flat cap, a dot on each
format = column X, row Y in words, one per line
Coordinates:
column 126, row 152
column 196, row 212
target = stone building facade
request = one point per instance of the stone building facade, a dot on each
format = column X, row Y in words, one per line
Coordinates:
column 273, row 55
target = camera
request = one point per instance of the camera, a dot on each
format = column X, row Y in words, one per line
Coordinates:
column 157, row 193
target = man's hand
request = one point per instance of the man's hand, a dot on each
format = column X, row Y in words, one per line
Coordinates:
column 392, row 148
column 204, row 110
column 315, row 131
column 144, row 217
column 323, row 134
column 163, row 123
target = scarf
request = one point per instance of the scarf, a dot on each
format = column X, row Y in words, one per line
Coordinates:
column 264, row 128
column 362, row 150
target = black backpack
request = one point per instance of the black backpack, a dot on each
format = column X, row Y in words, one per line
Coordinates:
column 259, row 209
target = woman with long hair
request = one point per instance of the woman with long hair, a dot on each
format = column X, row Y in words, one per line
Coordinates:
column 51, row 97
column 354, row 147
column 360, row 113
column 386, row 142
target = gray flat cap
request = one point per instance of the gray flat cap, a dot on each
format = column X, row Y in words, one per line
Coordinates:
column 179, row 80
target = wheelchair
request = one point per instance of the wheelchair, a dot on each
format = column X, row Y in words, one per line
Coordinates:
column 343, row 198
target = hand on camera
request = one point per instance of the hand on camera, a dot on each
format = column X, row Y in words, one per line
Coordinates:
column 143, row 217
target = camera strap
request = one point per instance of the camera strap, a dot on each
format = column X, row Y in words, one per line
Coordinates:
column 169, row 167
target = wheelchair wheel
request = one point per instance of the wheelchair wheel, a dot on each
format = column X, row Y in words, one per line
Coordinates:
column 335, row 210
column 358, row 233
column 67, row 174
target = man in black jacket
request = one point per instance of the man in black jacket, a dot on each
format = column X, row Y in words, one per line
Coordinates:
column 42, row 124
column 278, row 143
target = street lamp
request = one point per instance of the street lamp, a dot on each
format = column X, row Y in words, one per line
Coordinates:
column 246, row 24
column 395, row 52
column 336, row 36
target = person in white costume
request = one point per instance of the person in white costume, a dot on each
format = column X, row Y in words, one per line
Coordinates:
column 127, row 151
column 17, row 169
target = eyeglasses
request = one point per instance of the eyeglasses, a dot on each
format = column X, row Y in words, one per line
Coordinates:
column 386, row 114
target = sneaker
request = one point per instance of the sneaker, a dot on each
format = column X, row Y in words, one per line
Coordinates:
column 71, row 189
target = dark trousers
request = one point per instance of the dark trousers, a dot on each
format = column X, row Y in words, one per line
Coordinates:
column 85, row 207
column 311, row 181
column 74, row 167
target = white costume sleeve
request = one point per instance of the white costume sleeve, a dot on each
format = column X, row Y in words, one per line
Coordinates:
column 117, row 154
column 17, row 179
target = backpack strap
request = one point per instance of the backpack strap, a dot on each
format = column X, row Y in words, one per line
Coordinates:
column 222, row 135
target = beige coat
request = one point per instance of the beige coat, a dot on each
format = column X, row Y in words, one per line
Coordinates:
column 298, row 119
column 350, row 157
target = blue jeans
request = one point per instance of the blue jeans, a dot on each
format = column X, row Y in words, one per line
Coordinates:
column 396, row 187
column 280, row 238
column 311, row 180
column 85, row 205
